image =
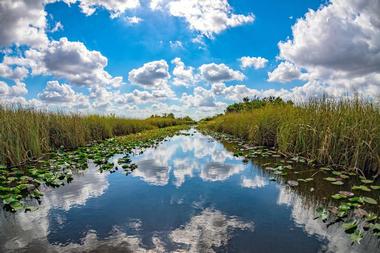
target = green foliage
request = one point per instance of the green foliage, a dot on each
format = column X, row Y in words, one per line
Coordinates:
column 26, row 134
column 343, row 133
column 255, row 103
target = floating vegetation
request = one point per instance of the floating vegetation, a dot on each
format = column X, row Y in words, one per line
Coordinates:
column 20, row 184
column 361, row 188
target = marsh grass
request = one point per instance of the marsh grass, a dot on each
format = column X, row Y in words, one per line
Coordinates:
column 27, row 134
column 344, row 133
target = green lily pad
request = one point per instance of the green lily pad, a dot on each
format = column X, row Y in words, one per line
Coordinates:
column 330, row 179
column 370, row 217
column 375, row 187
column 370, row 200
column 338, row 196
column 357, row 200
column 322, row 213
column 366, row 181
column 16, row 205
column 376, row 227
column 337, row 183
column 350, row 227
column 356, row 237
column 361, row 188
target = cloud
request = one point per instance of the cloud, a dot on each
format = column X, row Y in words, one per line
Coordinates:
column 68, row 60
column 284, row 72
column 253, row 62
column 200, row 98
column 74, row 62
column 133, row 20
column 57, row 27
column 216, row 73
column 17, row 73
column 22, row 23
column 152, row 173
column 207, row 231
column 151, row 74
column 338, row 43
column 208, row 17
column 253, row 183
column 176, row 44
column 215, row 171
column 17, row 90
column 115, row 7
column 182, row 75
column 55, row 92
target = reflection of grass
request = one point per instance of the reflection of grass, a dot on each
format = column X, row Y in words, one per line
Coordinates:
column 26, row 134
column 345, row 133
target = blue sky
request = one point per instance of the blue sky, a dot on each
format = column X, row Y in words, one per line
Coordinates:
column 112, row 56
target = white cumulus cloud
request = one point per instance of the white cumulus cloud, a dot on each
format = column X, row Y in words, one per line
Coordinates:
column 284, row 72
column 339, row 45
column 216, row 73
column 182, row 75
column 22, row 23
column 208, row 17
column 253, row 62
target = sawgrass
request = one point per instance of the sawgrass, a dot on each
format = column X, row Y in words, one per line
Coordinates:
column 344, row 133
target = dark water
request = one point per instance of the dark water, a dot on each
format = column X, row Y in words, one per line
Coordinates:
column 188, row 195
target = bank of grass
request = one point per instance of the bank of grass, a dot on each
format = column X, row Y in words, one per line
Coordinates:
column 345, row 133
column 26, row 134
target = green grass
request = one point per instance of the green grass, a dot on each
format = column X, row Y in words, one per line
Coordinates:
column 26, row 134
column 345, row 133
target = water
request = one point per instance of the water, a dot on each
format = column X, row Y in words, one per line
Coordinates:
column 190, row 194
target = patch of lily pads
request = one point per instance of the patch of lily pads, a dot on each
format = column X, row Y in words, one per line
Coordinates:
column 19, row 185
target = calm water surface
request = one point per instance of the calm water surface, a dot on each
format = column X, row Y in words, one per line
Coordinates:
column 190, row 194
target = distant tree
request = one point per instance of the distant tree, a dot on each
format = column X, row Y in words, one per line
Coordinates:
column 255, row 103
column 246, row 99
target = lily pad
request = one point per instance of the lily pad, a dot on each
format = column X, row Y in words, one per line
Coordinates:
column 350, row 227
column 330, row 179
column 338, row 196
column 346, row 193
column 375, row 187
column 356, row 237
column 322, row 213
column 337, row 183
column 366, row 181
column 305, row 180
column 361, row 188
column 370, row 200
column 370, row 217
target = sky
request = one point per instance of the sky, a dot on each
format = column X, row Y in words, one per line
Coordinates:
column 134, row 58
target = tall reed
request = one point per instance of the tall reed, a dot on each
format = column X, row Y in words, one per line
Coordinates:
column 26, row 133
column 344, row 133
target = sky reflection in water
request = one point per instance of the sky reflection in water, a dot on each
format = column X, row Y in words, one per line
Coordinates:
column 188, row 195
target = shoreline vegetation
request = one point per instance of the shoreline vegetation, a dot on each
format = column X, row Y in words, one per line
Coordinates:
column 28, row 134
column 344, row 134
